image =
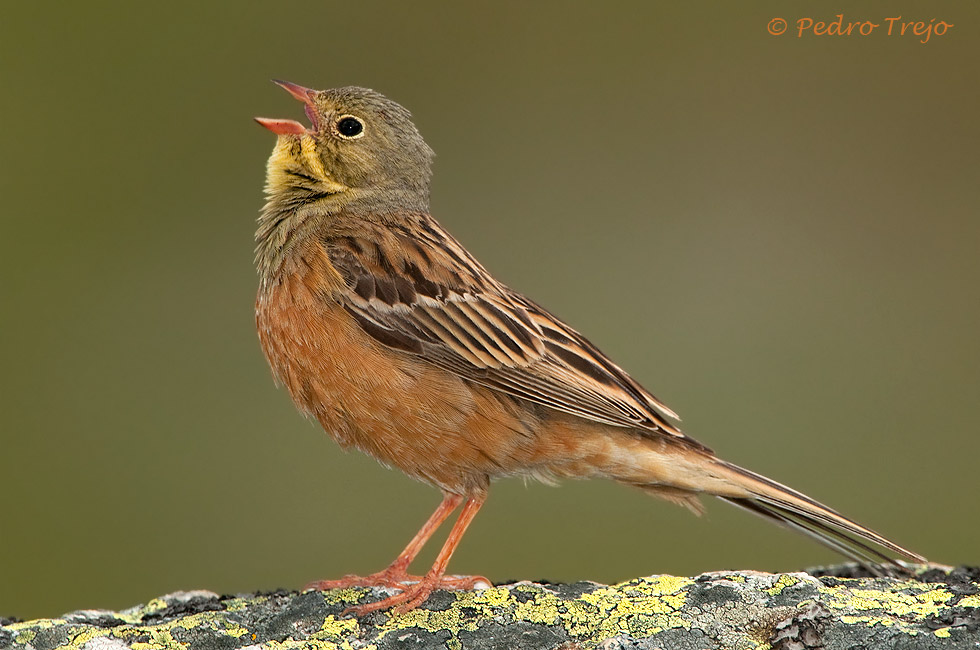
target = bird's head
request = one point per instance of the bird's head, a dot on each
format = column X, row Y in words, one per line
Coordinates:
column 361, row 148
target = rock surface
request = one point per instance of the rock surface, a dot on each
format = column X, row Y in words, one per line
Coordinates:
column 792, row 611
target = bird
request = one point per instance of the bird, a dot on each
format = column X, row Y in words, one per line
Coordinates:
column 387, row 331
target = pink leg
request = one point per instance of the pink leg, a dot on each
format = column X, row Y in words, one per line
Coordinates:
column 415, row 594
column 449, row 503
column 397, row 572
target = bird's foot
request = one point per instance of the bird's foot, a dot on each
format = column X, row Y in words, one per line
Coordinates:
column 416, row 590
column 390, row 577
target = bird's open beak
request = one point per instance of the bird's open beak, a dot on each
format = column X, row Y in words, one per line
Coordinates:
column 285, row 127
column 304, row 95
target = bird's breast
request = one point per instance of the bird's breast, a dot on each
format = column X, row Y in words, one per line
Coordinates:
column 405, row 412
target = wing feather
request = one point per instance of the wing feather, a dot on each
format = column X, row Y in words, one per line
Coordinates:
column 419, row 291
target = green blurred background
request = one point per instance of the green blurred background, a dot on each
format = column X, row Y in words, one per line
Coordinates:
column 778, row 236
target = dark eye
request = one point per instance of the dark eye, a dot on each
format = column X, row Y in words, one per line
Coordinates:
column 350, row 127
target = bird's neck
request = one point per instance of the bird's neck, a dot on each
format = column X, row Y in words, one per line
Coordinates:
column 293, row 216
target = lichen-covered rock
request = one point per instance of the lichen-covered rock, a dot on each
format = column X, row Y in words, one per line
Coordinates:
column 793, row 611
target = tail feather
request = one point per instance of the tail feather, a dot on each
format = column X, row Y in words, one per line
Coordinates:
column 834, row 540
column 795, row 510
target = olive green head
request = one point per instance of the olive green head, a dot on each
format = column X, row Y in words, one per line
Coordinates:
column 360, row 148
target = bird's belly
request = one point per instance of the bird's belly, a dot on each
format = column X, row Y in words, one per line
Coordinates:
column 403, row 411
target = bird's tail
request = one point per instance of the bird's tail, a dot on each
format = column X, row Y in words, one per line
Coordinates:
column 795, row 510
column 680, row 473
column 682, row 477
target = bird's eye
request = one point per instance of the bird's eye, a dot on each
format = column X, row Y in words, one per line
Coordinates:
column 350, row 127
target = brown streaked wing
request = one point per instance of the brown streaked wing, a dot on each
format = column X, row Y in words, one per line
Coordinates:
column 562, row 335
column 440, row 304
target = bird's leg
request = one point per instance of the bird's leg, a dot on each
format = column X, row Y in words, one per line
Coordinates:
column 397, row 572
column 400, row 566
column 415, row 594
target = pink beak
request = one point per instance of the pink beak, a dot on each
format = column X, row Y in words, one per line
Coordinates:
column 304, row 95
column 292, row 127
column 282, row 127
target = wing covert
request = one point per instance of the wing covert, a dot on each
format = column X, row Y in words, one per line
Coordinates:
column 420, row 292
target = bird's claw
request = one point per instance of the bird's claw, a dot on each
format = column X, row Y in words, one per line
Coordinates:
column 414, row 589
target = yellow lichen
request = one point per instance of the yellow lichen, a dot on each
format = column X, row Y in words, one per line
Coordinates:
column 25, row 637
column 969, row 601
column 334, row 626
column 160, row 637
column 643, row 606
column 39, row 624
column 154, row 606
column 784, row 581
column 495, row 597
column 898, row 603
column 671, row 584
column 236, row 604
column 348, row 596
column 236, row 631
